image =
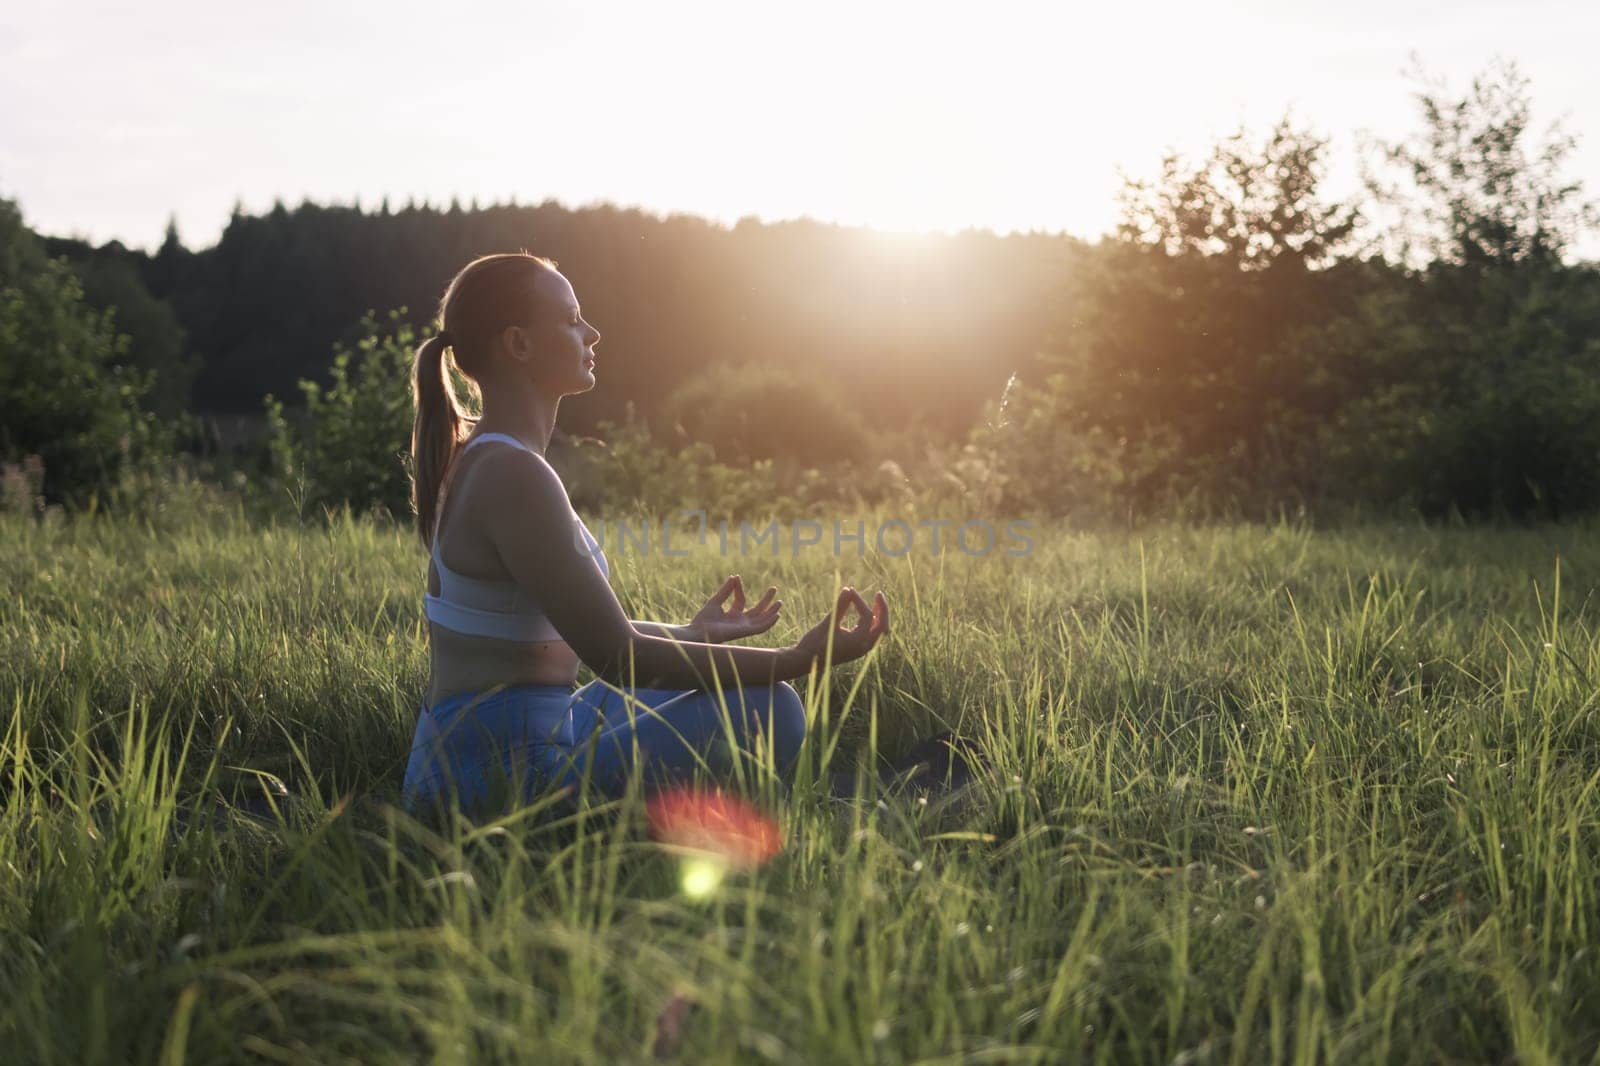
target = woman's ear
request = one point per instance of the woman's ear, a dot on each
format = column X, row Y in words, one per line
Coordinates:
column 514, row 340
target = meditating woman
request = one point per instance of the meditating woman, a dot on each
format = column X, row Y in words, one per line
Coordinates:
column 518, row 591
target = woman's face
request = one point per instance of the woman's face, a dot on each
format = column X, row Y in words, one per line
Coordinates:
column 563, row 355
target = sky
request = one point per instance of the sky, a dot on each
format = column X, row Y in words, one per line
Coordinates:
column 927, row 116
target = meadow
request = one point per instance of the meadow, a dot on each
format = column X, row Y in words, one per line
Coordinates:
column 1256, row 793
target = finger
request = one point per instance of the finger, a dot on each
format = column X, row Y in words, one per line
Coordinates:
column 738, row 595
column 880, row 614
column 726, row 587
column 766, row 597
column 841, row 606
column 863, row 613
column 849, row 602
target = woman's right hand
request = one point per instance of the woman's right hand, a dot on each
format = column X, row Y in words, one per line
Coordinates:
column 850, row 643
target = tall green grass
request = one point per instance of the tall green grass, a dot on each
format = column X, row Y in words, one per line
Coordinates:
column 1257, row 794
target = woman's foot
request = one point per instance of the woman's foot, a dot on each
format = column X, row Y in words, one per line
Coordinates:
column 941, row 766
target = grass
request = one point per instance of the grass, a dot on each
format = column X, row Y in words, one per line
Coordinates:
column 1260, row 794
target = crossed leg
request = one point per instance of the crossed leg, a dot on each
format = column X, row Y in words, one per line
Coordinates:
column 676, row 731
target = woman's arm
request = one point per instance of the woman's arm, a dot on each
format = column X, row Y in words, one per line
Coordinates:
column 529, row 521
column 690, row 631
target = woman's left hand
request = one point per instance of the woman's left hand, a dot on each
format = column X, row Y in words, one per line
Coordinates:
column 718, row 624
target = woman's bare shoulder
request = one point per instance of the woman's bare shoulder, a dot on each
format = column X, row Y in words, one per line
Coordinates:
column 521, row 484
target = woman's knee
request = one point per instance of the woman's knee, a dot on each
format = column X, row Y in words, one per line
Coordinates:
column 786, row 719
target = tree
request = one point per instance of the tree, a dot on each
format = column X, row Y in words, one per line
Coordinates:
column 1483, row 372
column 65, row 394
column 1255, row 207
column 1476, row 188
column 349, row 445
column 157, row 342
column 1185, row 355
column 167, row 266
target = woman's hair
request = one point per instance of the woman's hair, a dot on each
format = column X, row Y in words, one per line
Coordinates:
column 487, row 295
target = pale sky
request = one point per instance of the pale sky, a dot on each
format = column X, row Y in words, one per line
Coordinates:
column 917, row 116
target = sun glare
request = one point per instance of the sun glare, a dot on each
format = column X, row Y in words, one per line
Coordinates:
column 702, row 877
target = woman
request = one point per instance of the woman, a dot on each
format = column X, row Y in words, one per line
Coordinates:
column 518, row 591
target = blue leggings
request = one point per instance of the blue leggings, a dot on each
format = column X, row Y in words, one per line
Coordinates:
column 522, row 739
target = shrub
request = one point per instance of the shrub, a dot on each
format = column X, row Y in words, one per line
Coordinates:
column 66, row 402
column 627, row 469
column 349, row 444
column 752, row 412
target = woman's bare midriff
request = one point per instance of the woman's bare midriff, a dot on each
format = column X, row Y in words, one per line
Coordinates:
column 462, row 663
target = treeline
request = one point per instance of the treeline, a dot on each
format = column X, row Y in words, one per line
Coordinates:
column 913, row 331
column 1244, row 343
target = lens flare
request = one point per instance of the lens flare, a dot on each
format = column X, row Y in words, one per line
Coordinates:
column 730, row 833
column 701, row 877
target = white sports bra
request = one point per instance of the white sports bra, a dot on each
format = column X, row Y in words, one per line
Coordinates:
column 483, row 608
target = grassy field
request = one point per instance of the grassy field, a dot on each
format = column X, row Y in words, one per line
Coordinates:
column 1259, row 794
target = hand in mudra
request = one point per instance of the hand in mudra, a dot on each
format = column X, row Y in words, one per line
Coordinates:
column 850, row 643
column 719, row 624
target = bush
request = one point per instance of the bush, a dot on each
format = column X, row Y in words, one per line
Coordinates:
column 350, row 444
column 1483, row 404
column 628, row 470
column 750, row 412
column 1022, row 457
column 66, row 402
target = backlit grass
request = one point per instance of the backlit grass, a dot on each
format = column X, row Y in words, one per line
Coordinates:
column 1258, row 794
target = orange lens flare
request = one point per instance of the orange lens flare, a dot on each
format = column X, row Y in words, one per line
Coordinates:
column 715, row 823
